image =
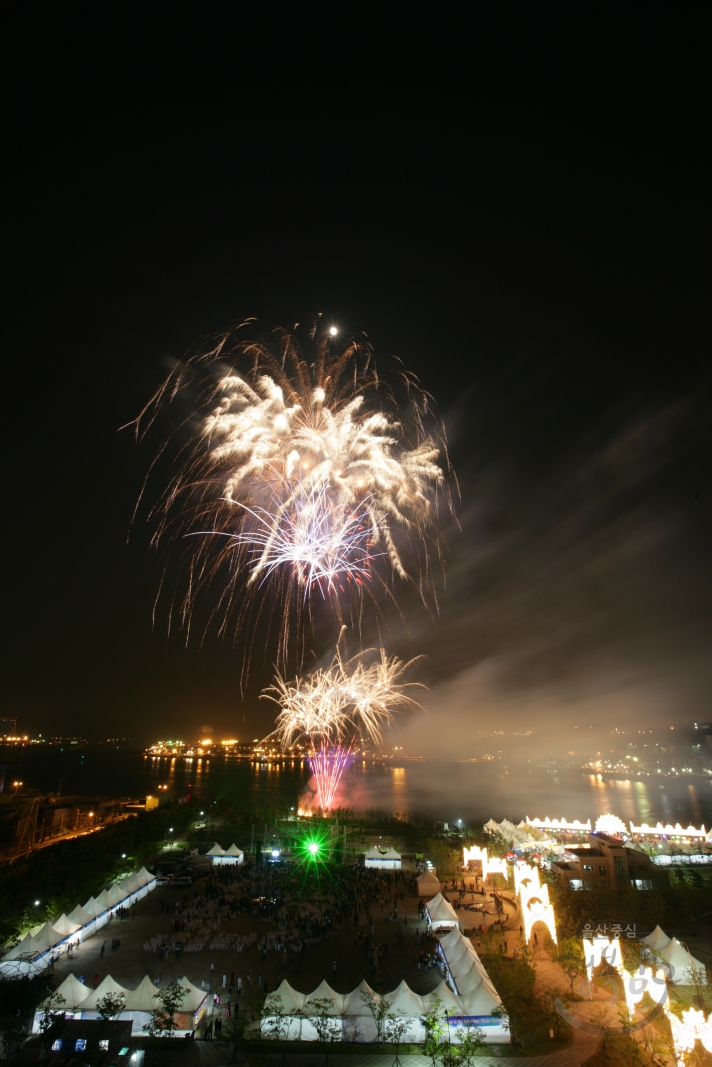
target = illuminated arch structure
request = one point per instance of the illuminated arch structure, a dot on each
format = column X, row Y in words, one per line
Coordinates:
column 534, row 900
column 489, row 866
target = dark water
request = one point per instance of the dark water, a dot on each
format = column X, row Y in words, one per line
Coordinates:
column 443, row 790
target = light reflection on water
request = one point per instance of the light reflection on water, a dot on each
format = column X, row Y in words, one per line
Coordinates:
column 439, row 789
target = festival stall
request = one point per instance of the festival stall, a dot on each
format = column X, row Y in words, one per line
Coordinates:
column 428, row 884
column 383, row 858
column 36, row 949
column 219, row 856
column 440, row 913
column 291, row 1015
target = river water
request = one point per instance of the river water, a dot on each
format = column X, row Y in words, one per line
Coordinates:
column 442, row 790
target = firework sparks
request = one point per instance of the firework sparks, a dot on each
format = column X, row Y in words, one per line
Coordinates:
column 332, row 707
column 320, row 541
column 296, row 456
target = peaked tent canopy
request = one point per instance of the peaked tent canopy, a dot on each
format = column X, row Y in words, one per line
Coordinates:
column 427, row 884
column 195, row 995
column 107, row 986
column 657, row 940
column 143, row 998
column 27, row 947
column 216, row 850
column 65, row 926
column 356, row 1002
column 234, row 850
column 287, row 998
column 74, row 993
column 80, row 916
column 325, row 992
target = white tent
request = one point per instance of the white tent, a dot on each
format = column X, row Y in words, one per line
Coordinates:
column 47, row 936
column 115, row 895
column 684, row 965
column 384, row 858
column 236, row 852
column 143, row 998
column 441, row 913
column 657, row 940
column 196, row 997
column 27, row 947
column 428, row 884
column 216, row 850
column 74, row 993
column 80, row 916
column 353, row 1019
column 65, row 926
column 92, row 908
column 107, row 986
column 103, row 902
column 145, row 877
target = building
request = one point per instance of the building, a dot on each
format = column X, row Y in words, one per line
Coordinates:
column 604, row 861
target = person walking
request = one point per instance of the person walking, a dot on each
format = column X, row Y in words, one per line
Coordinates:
column 239, row 985
column 224, row 980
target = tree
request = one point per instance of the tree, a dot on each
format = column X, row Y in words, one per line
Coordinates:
column 571, row 960
column 52, row 1021
column 163, row 1022
column 110, row 1005
column 379, row 1008
column 328, row 1027
column 395, row 1026
column 472, row 1038
column 435, row 1030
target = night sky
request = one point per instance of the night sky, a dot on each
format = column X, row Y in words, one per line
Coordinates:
column 515, row 203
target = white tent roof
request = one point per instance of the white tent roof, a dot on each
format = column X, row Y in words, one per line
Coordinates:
column 80, row 915
column 74, row 993
column 64, row 926
column 116, row 894
column 446, row 996
column 374, row 853
column 234, row 850
column 143, row 997
column 129, row 885
column 103, row 902
column 216, row 850
column 47, row 936
column 451, row 939
column 440, row 910
column 290, row 999
column 678, row 956
column 405, row 1001
column 144, row 877
column 427, row 884
column 325, row 992
column 391, row 854
column 195, row 995
column 107, row 986
column 92, row 908
column 354, row 1003
column 28, row 946
column 481, row 1001
column 657, row 940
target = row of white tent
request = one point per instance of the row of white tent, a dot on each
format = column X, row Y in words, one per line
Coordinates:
column 32, row 954
column 218, row 855
column 81, row 1002
column 291, row 1015
column 385, row 858
column 473, row 985
column 685, row 967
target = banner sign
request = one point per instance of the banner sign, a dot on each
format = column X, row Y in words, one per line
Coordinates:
column 474, row 1020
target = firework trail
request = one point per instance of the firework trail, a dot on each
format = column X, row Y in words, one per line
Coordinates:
column 332, row 707
column 301, row 472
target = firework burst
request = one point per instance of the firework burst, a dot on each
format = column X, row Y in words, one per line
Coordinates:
column 333, row 707
column 301, row 470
